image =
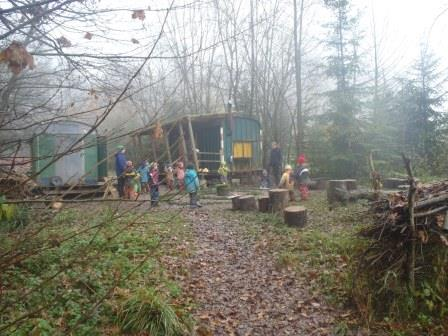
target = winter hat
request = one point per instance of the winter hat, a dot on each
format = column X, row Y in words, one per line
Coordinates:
column 288, row 167
column 301, row 159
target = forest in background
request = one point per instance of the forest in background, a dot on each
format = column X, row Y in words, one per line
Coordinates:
column 319, row 80
column 327, row 78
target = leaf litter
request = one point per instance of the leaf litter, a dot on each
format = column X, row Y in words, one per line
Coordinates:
column 240, row 290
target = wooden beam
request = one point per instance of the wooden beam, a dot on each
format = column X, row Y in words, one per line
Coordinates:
column 193, row 143
column 154, row 150
column 167, row 145
column 183, row 142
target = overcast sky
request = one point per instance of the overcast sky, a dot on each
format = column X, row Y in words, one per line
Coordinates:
column 402, row 25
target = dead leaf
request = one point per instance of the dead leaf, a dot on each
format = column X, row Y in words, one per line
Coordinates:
column 88, row 36
column 17, row 57
column 139, row 14
column 64, row 42
column 135, row 41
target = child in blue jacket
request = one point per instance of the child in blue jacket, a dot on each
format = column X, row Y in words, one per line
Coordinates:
column 143, row 171
column 191, row 181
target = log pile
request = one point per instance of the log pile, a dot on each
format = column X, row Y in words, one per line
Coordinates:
column 430, row 210
column 408, row 239
column 16, row 186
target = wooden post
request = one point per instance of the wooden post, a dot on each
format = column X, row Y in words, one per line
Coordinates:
column 193, row 143
column 279, row 199
column 295, row 216
column 247, row 203
column 183, row 143
column 154, row 150
column 167, row 145
column 264, row 204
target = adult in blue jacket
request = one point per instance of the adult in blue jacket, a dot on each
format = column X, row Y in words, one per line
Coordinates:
column 191, row 182
column 120, row 167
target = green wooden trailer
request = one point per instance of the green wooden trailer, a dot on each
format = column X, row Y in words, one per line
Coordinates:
column 86, row 164
column 205, row 140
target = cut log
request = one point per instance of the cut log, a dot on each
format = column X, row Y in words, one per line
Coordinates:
column 235, row 202
column 278, row 199
column 351, row 184
column 295, row 216
column 222, row 190
column 247, row 203
column 264, row 204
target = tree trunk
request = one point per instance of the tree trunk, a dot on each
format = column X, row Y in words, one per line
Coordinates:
column 279, row 199
column 298, row 20
column 295, row 216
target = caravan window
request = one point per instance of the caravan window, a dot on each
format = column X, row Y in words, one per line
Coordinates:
column 242, row 150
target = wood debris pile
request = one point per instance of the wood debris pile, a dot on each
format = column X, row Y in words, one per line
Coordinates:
column 395, row 252
column 430, row 209
column 16, row 186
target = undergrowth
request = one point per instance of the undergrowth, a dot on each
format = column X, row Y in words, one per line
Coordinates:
column 92, row 272
column 326, row 253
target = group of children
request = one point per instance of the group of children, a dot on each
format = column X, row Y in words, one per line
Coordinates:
column 145, row 179
column 299, row 176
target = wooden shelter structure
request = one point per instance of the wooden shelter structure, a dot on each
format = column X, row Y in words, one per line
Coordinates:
column 205, row 140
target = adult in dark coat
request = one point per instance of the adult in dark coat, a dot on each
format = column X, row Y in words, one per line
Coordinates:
column 120, row 167
column 275, row 162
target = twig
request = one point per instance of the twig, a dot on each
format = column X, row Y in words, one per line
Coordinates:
column 411, row 201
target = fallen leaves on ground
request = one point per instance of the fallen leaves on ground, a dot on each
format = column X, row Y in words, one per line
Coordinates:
column 239, row 289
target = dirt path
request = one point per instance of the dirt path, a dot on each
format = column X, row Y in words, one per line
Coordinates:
column 240, row 291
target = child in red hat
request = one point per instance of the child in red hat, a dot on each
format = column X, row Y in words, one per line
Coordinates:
column 302, row 176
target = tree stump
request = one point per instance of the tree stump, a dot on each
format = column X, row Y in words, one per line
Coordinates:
column 278, row 199
column 318, row 184
column 264, row 204
column 351, row 185
column 295, row 216
column 222, row 190
column 247, row 203
column 235, row 202
column 394, row 183
column 337, row 192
